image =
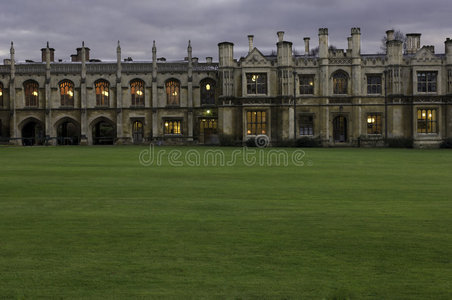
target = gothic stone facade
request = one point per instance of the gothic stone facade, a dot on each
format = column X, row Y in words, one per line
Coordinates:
column 340, row 97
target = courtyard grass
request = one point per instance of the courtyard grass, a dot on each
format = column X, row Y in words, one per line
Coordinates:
column 92, row 222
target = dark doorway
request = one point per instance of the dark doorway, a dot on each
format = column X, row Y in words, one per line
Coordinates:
column 32, row 134
column 68, row 133
column 340, row 129
column 103, row 133
column 208, row 129
column 137, row 132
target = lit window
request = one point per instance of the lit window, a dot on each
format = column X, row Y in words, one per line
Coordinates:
column 340, row 82
column 67, row 93
column 137, row 91
column 31, row 93
column 256, row 122
column 173, row 92
column 426, row 82
column 102, row 93
column 427, row 121
column 1, row 94
column 306, row 125
column 207, row 92
column 256, row 83
column 373, row 84
column 172, row 127
column 373, row 124
column 306, row 84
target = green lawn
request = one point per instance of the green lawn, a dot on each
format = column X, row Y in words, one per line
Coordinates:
column 92, row 222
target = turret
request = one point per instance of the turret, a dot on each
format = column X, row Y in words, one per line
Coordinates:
column 118, row 63
column 154, row 61
column 323, row 42
column 83, row 59
column 190, row 61
column 226, row 54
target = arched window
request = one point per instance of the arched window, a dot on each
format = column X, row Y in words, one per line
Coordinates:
column 31, row 88
column 340, row 82
column 207, row 91
column 1, row 94
column 102, row 93
column 67, row 93
column 172, row 92
column 137, row 91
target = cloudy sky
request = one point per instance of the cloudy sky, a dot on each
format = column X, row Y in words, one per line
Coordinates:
column 171, row 23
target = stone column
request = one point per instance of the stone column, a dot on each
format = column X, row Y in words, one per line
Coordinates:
column 48, row 102
column 119, row 129
column 190, row 93
column 12, row 99
column 83, row 103
column 155, row 120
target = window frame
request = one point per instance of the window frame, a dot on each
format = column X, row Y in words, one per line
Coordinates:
column 259, row 125
column 306, row 128
column 378, row 86
column 426, row 121
column 342, row 76
column 172, row 86
column 172, row 121
column 256, row 83
column 31, row 99
column 375, row 126
column 207, row 97
column 66, row 88
column 426, row 85
column 137, row 100
column 306, row 87
column 102, row 86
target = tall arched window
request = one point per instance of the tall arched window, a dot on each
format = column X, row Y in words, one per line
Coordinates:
column 340, row 82
column 137, row 91
column 31, row 88
column 102, row 93
column 67, row 93
column 1, row 94
column 172, row 92
column 207, row 91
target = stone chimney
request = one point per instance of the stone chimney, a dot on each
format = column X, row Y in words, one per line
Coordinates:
column 250, row 43
column 413, row 42
column 78, row 56
column 306, row 45
column 390, row 35
column 280, row 36
column 323, row 42
column 209, row 59
column 52, row 54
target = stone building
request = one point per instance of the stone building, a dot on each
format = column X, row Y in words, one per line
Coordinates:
column 340, row 97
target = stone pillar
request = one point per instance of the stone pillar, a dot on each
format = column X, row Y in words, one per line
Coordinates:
column 119, row 115
column 324, row 79
column 291, row 123
column 356, row 61
column 48, row 101
column 190, row 93
column 155, row 120
column 83, row 102
column 14, row 132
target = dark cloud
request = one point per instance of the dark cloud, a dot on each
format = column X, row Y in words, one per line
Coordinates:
column 136, row 23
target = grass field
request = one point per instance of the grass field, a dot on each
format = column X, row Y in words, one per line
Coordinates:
column 92, row 222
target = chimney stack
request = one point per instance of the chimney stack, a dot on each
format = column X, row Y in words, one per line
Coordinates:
column 306, row 45
column 413, row 42
column 250, row 43
column 280, row 36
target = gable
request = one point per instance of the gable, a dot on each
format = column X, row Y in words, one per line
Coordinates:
column 255, row 57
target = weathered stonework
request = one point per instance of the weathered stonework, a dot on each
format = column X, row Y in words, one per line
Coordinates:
column 340, row 97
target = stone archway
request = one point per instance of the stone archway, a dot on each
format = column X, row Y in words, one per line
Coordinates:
column 68, row 132
column 32, row 133
column 103, row 132
column 340, row 129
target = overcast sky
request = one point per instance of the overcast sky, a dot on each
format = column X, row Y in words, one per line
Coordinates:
column 171, row 23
